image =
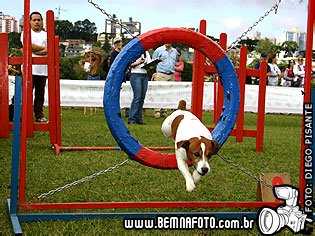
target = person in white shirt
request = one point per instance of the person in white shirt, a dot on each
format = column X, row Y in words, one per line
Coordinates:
column 139, row 84
column 39, row 72
column 275, row 73
column 299, row 72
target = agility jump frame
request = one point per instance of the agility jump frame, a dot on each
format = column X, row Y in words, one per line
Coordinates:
column 52, row 60
column 200, row 69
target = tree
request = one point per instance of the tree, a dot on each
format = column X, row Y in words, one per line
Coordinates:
column 64, row 29
column 85, row 30
column 70, row 69
column 276, row 49
column 107, row 46
column 15, row 40
column 89, row 27
column 289, row 47
column 267, row 47
column 213, row 38
column 187, row 72
column 251, row 44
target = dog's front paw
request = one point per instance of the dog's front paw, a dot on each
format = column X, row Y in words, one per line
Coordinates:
column 190, row 185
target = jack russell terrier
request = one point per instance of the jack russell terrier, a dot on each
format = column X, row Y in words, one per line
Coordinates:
column 193, row 143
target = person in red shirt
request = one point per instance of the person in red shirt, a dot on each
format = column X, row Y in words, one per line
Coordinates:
column 179, row 67
column 288, row 75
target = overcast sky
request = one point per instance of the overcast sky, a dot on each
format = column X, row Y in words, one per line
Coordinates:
column 230, row 16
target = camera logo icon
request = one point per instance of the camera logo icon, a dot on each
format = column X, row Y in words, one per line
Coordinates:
column 271, row 220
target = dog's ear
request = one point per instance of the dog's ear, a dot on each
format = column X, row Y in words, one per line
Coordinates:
column 211, row 145
column 184, row 144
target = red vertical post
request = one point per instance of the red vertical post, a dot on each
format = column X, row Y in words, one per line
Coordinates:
column 218, row 86
column 198, row 78
column 57, row 95
column 223, row 41
column 215, row 85
column 50, row 22
column 26, row 87
column 260, row 125
column 307, row 88
column 242, row 79
column 27, row 49
column 30, row 120
column 4, row 87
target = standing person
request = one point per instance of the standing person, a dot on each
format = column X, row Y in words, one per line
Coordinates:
column 179, row 67
column 165, row 68
column 299, row 72
column 288, row 75
column 274, row 73
column 139, row 83
column 39, row 72
column 117, row 42
column 263, row 57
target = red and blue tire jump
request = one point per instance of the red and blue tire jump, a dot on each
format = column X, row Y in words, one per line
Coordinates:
column 133, row 51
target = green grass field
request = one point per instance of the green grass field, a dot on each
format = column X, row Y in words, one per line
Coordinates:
column 134, row 182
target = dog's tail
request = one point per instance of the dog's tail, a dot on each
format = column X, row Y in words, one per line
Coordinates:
column 182, row 105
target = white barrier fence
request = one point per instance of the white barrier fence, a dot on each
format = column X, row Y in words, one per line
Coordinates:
column 80, row 93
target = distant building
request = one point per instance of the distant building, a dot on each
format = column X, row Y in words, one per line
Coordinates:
column 302, row 41
column 74, row 47
column 290, row 36
column 8, row 23
column 73, row 51
column 134, row 27
column 296, row 36
column 75, row 42
column 113, row 27
column 21, row 22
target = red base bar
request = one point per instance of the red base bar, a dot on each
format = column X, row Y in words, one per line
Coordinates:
column 41, row 126
column 35, row 60
column 59, row 149
column 37, row 126
column 116, row 205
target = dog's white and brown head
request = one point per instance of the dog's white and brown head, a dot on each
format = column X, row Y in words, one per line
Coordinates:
column 198, row 152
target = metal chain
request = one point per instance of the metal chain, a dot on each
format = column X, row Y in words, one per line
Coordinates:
column 85, row 179
column 90, row 177
column 109, row 16
column 245, row 171
column 260, row 19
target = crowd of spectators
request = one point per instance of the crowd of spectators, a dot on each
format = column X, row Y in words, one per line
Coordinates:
column 291, row 75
